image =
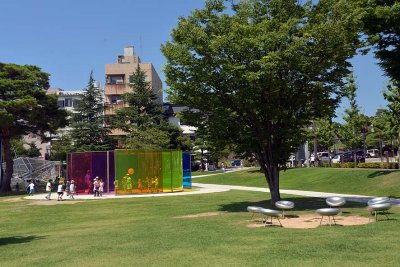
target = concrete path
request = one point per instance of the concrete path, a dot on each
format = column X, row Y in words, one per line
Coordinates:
column 200, row 188
column 348, row 197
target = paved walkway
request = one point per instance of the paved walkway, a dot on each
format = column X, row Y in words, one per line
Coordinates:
column 200, row 188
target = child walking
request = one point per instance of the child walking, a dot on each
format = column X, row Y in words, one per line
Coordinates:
column 72, row 189
column 60, row 191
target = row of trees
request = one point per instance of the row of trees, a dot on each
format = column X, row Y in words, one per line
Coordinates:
column 262, row 72
column 25, row 108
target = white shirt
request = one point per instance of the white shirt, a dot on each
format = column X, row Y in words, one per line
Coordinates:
column 60, row 188
column 31, row 186
column 48, row 187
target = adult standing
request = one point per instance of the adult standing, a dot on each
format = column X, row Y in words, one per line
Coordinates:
column 48, row 189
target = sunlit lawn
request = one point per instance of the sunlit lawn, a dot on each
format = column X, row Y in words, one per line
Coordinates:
column 151, row 232
column 349, row 181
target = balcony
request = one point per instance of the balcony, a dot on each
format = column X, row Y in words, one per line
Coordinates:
column 115, row 89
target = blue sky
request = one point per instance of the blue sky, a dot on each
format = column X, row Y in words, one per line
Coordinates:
column 69, row 38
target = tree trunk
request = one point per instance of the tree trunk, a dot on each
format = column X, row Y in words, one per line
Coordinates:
column 271, row 173
column 5, row 185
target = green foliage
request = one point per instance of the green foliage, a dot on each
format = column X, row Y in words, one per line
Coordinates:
column 382, row 24
column 382, row 128
column 18, row 147
column 259, row 74
column 372, row 165
column 25, row 108
column 142, row 119
column 61, row 146
column 350, row 132
column 348, row 165
column 88, row 131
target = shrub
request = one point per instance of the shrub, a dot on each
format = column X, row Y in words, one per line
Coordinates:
column 372, row 165
column 390, row 165
column 325, row 164
column 348, row 165
column 336, row 165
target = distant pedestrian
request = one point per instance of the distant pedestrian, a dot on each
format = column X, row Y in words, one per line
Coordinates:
column 60, row 191
column 72, row 189
column 67, row 186
column 31, row 188
column 101, row 187
column 48, row 189
column 96, row 187
column 17, row 187
column 312, row 160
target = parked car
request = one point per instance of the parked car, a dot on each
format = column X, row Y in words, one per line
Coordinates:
column 336, row 158
column 323, row 156
column 372, row 153
column 348, row 157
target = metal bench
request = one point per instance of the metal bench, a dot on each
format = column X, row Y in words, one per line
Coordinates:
column 330, row 212
column 284, row 205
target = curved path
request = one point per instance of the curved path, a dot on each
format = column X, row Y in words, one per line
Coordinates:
column 214, row 188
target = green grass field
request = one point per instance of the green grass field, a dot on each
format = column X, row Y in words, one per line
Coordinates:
column 152, row 232
column 347, row 181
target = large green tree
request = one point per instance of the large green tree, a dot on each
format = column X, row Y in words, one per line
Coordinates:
column 261, row 72
column 382, row 24
column 88, row 125
column 25, row 108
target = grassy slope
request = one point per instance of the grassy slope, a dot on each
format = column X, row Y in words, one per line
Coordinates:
column 147, row 232
column 350, row 181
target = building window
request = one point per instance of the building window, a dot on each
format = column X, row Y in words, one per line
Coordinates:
column 68, row 102
column 115, row 79
column 115, row 99
column 60, row 103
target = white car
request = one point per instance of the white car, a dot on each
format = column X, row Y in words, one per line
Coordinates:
column 372, row 153
column 336, row 158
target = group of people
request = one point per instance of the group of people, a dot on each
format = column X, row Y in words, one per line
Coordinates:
column 98, row 187
column 68, row 187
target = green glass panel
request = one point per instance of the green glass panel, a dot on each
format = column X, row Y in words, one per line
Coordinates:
column 166, row 170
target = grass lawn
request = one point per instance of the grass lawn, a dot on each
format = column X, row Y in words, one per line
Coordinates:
column 151, row 232
column 348, row 181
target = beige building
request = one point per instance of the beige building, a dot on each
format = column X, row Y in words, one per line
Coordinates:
column 117, row 79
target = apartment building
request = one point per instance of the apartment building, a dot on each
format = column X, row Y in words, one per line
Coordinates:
column 117, row 80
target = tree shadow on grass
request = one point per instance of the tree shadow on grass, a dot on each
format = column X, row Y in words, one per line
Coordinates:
column 301, row 204
column 378, row 173
column 19, row 239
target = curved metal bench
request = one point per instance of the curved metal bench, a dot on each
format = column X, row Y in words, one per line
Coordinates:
column 378, row 200
column 330, row 212
column 270, row 213
column 254, row 210
column 284, row 205
column 335, row 201
column 380, row 208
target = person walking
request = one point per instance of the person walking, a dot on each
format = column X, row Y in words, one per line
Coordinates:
column 101, row 187
column 48, row 189
column 60, row 191
column 72, row 189
column 96, row 186
column 17, row 187
column 31, row 188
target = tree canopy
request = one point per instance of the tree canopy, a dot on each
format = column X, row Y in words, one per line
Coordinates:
column 262, row 72
column 25, row 108
column 88, row 126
